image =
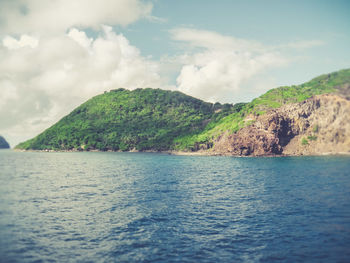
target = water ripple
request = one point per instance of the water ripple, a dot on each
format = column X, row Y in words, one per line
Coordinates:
column 123, row 207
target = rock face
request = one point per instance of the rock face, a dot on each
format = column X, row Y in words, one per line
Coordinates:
column 319, row 125
column 3, row 143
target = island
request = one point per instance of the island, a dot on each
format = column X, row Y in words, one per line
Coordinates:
column 3, row 143
column 308, row 119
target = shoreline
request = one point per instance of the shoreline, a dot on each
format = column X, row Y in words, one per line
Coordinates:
column 184, row 153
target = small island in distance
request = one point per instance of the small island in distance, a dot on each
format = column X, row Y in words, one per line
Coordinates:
column 3, row 143
column 309, row 119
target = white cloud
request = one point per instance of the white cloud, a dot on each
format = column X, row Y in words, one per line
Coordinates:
column 21, row 16
column 217, row 70
column 212, row 40
column 80, row 37
column 42, row 84
column 303, row 44
column 24, row 41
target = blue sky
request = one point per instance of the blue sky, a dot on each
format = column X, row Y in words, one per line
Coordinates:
column 54, row 55
column 269, row 22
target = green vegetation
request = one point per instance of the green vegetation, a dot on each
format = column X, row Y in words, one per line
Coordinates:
column 304, row 141
column 274, row 98
column 3, row 143
column 312, row 138
column 204, row 139
column 143, row 119
column 153, row 119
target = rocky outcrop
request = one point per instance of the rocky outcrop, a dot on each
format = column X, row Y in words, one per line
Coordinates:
column 319, row 125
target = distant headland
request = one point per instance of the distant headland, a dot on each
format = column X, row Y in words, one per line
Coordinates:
column 3, row 143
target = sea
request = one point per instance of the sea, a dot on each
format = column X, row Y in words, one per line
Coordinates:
column 153, row 207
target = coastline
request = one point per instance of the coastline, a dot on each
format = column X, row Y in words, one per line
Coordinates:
column 197, row 153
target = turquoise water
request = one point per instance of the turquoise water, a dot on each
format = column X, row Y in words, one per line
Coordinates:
column 138, row 207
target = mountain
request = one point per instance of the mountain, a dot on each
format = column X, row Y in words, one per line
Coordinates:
column 3, row 143
column 305, row 119
column 142, row 119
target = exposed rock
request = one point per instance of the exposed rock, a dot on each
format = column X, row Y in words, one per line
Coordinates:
column 319, row 125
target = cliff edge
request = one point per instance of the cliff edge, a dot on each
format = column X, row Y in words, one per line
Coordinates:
column 319, row 125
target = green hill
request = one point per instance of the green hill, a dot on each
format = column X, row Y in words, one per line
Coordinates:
column 3, row 143
column 154, row 119
column 142, row 119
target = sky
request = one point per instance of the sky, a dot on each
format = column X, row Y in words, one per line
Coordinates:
column 55, row 55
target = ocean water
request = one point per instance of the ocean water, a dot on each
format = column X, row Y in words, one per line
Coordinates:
column 146, row 207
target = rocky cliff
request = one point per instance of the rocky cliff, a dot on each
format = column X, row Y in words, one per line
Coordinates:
column 319, row 125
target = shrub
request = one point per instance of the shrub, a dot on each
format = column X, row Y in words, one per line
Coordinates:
column 312, row 138
column 304, row 141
